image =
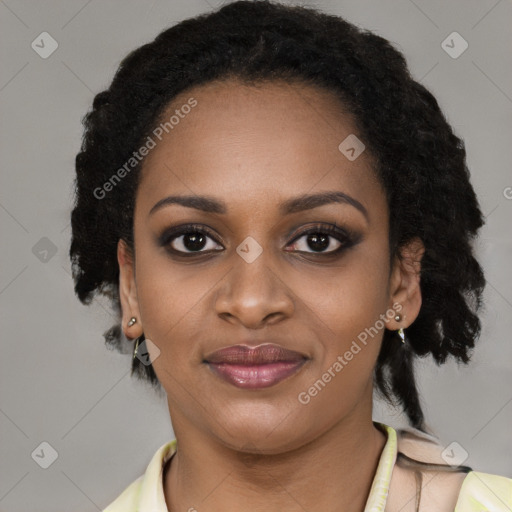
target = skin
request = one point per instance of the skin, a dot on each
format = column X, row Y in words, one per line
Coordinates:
column 253, row 148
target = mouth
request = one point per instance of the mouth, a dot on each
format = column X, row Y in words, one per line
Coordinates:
column 254, row 368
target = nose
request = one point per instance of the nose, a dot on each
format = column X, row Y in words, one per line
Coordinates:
column 254, row 294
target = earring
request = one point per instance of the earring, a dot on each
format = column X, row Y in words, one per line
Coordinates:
column 137, row 341
column 132, row 321
column 401, row 333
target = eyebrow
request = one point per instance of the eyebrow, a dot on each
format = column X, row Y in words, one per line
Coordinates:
column 296, row 204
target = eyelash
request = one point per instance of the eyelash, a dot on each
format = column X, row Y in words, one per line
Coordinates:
column 345, row 236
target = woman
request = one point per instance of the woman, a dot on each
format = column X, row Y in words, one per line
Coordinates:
column 284, row 219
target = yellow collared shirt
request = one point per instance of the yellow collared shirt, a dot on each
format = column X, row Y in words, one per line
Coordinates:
column 478, row 492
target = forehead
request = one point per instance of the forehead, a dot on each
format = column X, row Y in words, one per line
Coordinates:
column 244, row 143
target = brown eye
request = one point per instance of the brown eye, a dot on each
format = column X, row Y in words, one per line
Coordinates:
column 189, row 239
column 323, row 237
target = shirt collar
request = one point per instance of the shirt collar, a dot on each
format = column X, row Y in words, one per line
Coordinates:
column 152, row 498
column 376, row 501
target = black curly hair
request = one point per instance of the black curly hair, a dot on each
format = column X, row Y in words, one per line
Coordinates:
column 419, row 160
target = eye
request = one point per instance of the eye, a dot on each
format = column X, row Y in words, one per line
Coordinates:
column 322, row 237
column 188, row 240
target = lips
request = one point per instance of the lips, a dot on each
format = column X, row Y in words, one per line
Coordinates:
column 255, row 367
column 262, row 354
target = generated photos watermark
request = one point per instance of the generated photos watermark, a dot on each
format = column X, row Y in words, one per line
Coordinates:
column 304, row 397
column 144, row 150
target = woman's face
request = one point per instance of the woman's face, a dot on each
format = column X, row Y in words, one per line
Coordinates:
column 252, row 276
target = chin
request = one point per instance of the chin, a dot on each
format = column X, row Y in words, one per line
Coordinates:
column 266, row 430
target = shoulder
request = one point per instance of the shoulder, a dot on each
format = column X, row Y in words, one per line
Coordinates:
column 146, row 493
column 485, row 491
column 127, row 501
column 447, row 487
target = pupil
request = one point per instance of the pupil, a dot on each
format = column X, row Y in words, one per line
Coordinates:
column 313, row 240
column 196, row 241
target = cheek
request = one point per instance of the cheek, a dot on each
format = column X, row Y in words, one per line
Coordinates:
column 348, row 349
column 170, row 301
column 350, row 296
column 349, row 306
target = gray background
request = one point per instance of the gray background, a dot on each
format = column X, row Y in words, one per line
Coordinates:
column 59, row 384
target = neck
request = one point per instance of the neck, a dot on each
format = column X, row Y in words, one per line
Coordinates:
column 333, row 472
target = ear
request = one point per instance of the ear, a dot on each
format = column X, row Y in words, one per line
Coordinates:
column 404, row 287
column 128, row 291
